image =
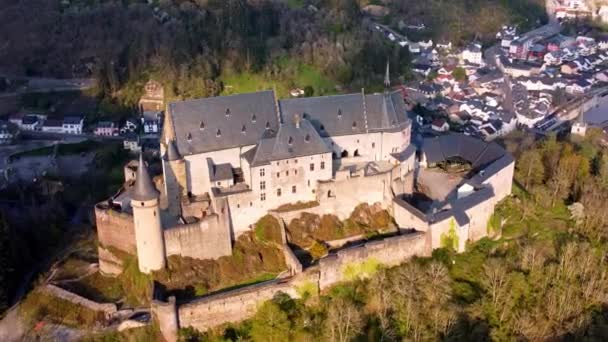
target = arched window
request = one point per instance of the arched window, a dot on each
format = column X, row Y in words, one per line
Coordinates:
column 344, row 154
column 356, row 154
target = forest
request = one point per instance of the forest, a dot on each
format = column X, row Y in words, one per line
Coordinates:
column 543, row 276
column 194, row 46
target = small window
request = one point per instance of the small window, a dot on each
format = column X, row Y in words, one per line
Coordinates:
column 312, row 167
column 295, row 172
column 227, row 112
column 322, row 165
column 218, row 133
column 307, row 138
column 354, row 124
column 262, row 185
column 373, row 145
column 202, row 126
column 262, row 172
column 219, row 183
column 279, row 192
column 322, row 127
column 251, row 204
column 339, row 112
column 287, row 173
column 189, row 137
column 278, row 174
column 290, row 141
column 267, row 125
column 309, row 182
column 262, row 197
column 293, row 189
column 243, row 129
column 253, row 118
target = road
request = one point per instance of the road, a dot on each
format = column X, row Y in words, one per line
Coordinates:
column 46, row 85
column 398, row 36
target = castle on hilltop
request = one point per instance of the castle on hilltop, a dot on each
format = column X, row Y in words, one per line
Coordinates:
column 228, row 161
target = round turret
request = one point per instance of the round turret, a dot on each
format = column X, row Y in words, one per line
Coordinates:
column 149, row 236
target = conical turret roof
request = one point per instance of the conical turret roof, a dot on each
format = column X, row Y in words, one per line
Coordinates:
column 144, row 189
column 172, row 152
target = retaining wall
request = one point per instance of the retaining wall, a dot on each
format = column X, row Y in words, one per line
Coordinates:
column 107, row 308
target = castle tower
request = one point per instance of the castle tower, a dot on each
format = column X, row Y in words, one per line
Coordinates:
column 149, row 236
column 174, row 171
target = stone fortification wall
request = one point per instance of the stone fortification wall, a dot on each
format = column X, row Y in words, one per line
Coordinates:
column 389, row 251
column 240, row 304
column 115, row 229
column 341, row 196
column 231, row 306
column 107, row 308
column 109, row 264
column 205, row 239
column 166, row 315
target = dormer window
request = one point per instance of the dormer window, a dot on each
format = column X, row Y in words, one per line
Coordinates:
column 267, row 125
column 189, row 137
column 253, row 118
column 290, row 141
column 322, row 127
column 227, row 112
column 339, row 113
column 243, row 129
column 354, row 124
column 202, row 126
column 307, row 138
column 218, row 133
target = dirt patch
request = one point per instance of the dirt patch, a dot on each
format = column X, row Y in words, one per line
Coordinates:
column 310, row 230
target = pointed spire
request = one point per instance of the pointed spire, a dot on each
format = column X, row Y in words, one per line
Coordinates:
column 144, row 189
column 387, row 76
column 172, row 152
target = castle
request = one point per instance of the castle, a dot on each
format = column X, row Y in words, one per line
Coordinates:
column 228, row 161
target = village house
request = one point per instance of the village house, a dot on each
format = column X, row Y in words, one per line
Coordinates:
column 106, row 128
column 53, row 126
column 73, row 124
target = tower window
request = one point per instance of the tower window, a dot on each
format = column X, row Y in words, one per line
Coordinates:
column 262, row 197
column 312, row 167
column 279, row 192
column 322, row 165
column 293, row 189
column 262, row 185
column 287, row 173
column 278, row 174
column 262, row 172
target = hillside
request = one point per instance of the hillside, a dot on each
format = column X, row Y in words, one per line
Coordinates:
column 207, row 47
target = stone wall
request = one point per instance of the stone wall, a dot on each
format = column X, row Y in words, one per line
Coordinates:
column 390, row 251
column 230, row 306
column 107, row 308
column 205, row 239
column 240, row 304
column 115, row 229
column 109, row 264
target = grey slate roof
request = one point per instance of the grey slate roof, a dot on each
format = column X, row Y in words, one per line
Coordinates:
column 72, row 120
column 478, row 152
column 290, row 141
column 172, row 153
column 144, row 189
column 218, row 123
column 220, row 172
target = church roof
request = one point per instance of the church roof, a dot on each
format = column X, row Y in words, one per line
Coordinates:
column 144, row 189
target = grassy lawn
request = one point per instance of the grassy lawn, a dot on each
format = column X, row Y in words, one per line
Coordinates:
column 294, row 75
